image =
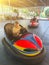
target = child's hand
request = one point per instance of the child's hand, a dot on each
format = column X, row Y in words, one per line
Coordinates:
column 20, row 34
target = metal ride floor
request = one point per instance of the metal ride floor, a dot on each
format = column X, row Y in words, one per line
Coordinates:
column 42, row 31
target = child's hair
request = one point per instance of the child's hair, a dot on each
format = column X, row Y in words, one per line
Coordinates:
column 16, row 22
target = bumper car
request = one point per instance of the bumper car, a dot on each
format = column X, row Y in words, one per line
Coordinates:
column 33, row 23
column 28, row 49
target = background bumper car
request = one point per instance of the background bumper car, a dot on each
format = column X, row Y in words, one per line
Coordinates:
column 33, row 23
column 28, row 49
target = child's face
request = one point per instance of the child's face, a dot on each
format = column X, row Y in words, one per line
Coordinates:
column 16, row 24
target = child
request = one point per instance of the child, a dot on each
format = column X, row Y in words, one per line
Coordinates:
column 18, row 30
